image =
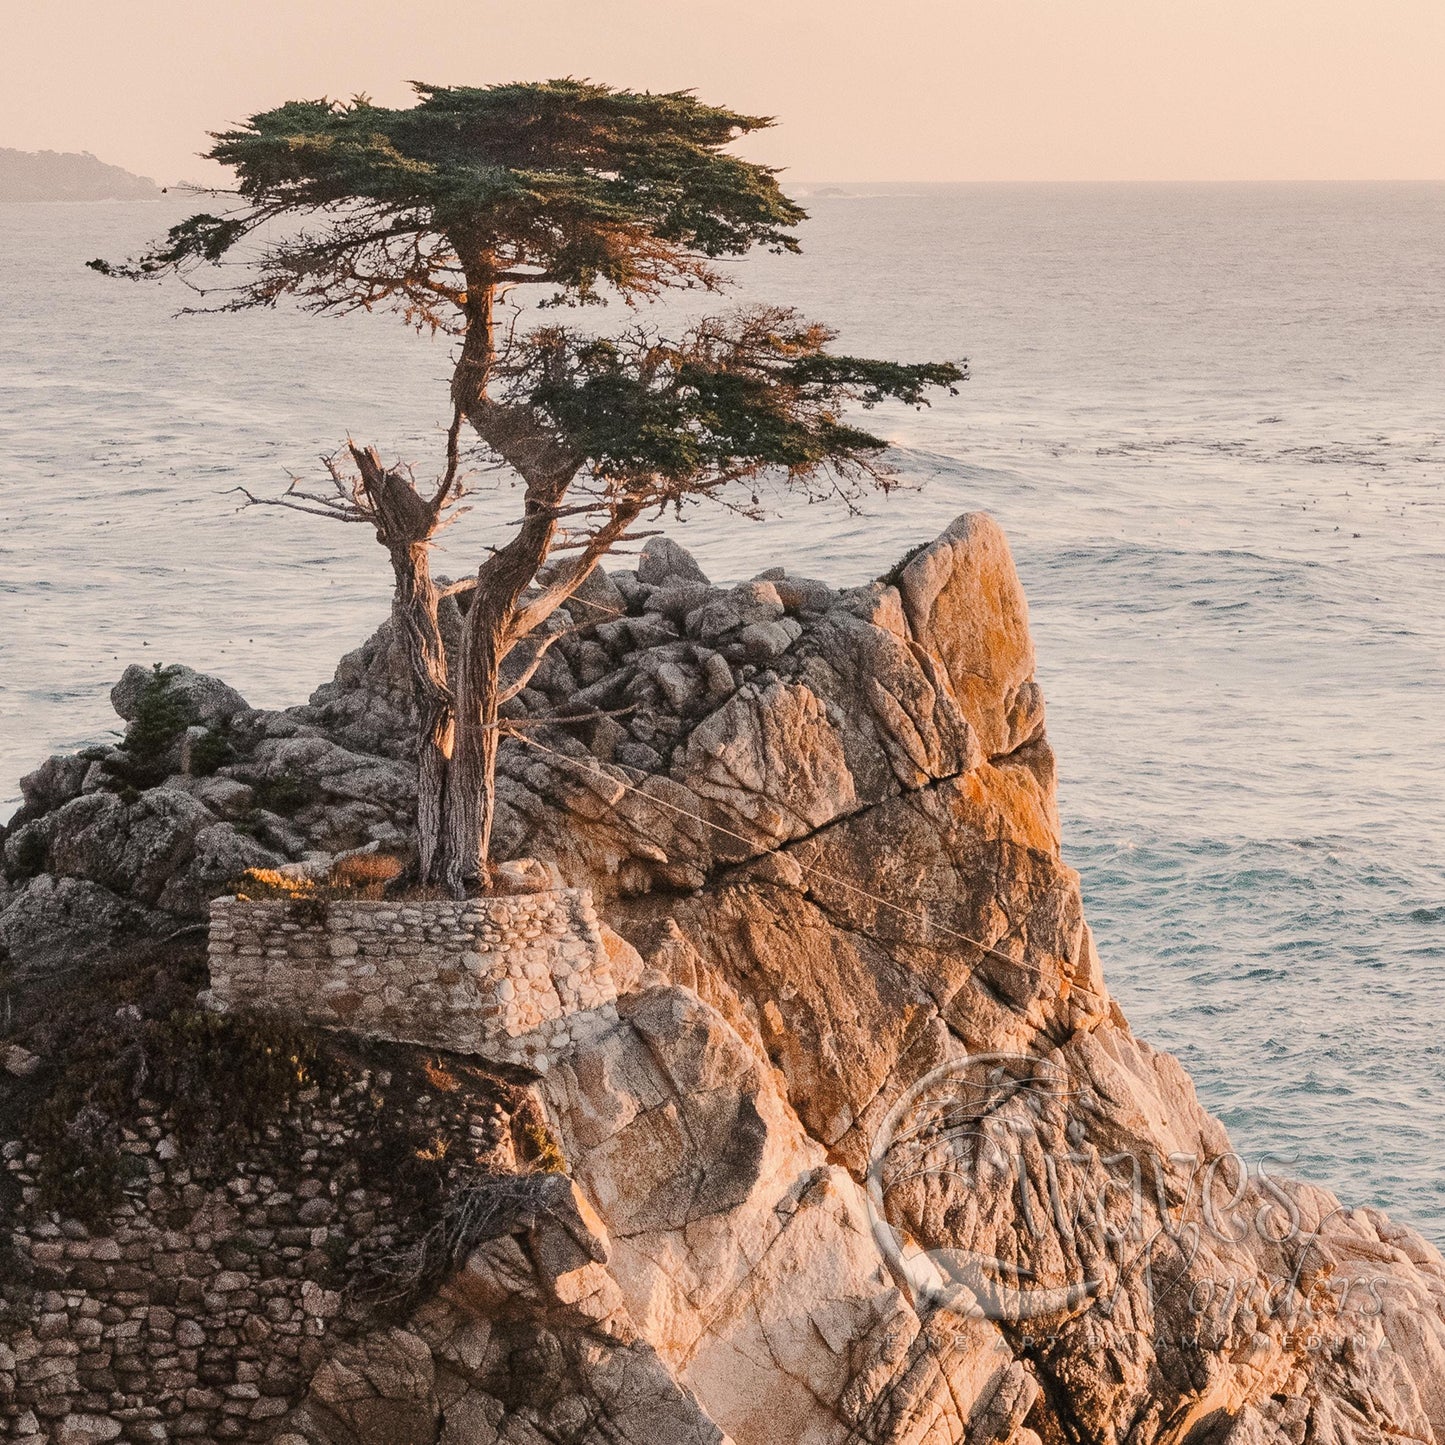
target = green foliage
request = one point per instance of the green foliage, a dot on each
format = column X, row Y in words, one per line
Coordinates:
column 563, row 182
column 210, row 752
column 161, row 717
column 201, row 237
column 286, row 793
column 894, row 575
column 735, row 397
column 543, row 1150
column 436, row 208
column 436, row 211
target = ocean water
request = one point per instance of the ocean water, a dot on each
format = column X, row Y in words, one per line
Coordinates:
column 1210, row 419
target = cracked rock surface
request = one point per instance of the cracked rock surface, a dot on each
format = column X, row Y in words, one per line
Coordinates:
column 870, row 1154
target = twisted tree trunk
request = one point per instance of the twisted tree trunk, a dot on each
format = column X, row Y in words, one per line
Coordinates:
column 414, row 618
column 405, row 523
column 497, row 619
column 488, row 638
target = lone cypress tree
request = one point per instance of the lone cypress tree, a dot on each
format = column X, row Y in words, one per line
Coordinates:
column 436, row 211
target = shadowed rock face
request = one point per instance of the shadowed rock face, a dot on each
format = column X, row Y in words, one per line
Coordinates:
column 871, row 1155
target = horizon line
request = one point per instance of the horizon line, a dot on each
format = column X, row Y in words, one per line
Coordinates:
column 1130, row 181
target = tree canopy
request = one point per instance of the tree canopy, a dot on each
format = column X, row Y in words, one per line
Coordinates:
column 735, row 397
column 565, row 182
column 436, row 211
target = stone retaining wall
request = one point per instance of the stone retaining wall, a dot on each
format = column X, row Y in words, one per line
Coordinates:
column 512, row 979
column 201, row 1306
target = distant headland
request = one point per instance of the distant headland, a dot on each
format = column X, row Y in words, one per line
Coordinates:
column 68, row 176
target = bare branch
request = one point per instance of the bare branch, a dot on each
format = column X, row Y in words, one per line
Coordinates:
column 333, row 512
column 543, row 646
column 535, row 612
column 444, row 493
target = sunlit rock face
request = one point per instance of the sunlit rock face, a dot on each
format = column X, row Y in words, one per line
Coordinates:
column 869, row 1154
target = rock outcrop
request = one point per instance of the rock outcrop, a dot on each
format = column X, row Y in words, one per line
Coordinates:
column 869, row 1155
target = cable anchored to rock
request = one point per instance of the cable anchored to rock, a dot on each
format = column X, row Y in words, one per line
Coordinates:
column 594, row 769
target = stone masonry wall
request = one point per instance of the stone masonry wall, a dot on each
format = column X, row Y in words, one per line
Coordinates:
column 201, row 1307
column 512, row 979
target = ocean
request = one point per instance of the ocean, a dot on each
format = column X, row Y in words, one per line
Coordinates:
column 1210, row 419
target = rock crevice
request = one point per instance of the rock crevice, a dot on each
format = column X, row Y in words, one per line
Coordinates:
column 867, row 1154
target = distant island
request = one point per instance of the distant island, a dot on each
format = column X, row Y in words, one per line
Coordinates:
column 68, row 176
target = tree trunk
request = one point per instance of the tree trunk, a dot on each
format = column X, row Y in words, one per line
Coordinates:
column 471, row 779
column 474, row 366
column 546, row 465
column 415, row 625
column 405, row 524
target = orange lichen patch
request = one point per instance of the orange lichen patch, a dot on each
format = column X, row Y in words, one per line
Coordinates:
column 440, row 1077
column 363, row 875
column 268, row 883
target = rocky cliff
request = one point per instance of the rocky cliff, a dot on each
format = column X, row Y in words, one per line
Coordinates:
column 870, row 1154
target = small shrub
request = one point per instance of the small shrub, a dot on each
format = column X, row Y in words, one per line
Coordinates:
column 365, row 875
column 305, row 899
column 286, row 794
column 210, row 753
column 434, row 1151
column 268, row 883
column 362, row 876
column 161, row 717
column 545, row 1153
column 895, row 573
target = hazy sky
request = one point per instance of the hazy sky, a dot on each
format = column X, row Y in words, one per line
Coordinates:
column 863, row 89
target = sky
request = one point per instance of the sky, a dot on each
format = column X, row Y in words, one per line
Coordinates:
column 902, row 90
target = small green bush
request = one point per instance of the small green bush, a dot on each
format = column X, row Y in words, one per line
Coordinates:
column 894, row 574
column 210, row 752
column 544, row 1152
column 286, row 794
column 160, row 718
